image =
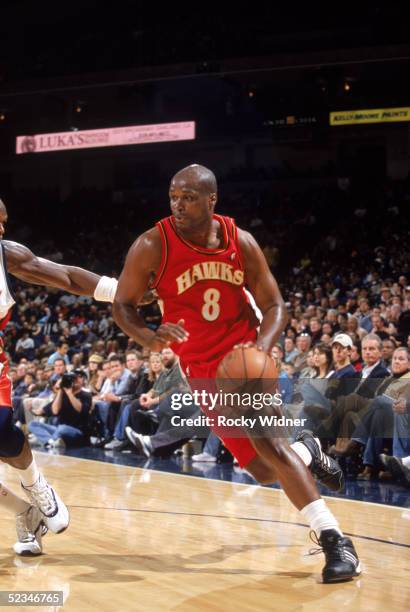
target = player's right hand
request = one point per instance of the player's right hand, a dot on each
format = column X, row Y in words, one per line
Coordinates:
column 168, row 333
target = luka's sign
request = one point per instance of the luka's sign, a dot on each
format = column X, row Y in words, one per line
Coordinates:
column 374, row 115
column 108, row 137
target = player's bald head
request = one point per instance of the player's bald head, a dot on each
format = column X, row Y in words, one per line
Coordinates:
column 198, row 177
column 2, row 206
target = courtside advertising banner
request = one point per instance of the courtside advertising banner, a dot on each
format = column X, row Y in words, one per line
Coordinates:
column 107, row 137
column 375, row 115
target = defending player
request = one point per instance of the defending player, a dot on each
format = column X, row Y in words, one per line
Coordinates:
column 199, row 262
column 46, row 508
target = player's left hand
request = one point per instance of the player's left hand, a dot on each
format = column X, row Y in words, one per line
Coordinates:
column 168, row 333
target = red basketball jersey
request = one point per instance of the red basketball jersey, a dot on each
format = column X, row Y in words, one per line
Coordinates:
column 205, row 287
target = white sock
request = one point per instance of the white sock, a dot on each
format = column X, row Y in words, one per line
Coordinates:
column 406, row 462
column 319, row 517
column 11, row 501
column 303, row 452
column 30, row 475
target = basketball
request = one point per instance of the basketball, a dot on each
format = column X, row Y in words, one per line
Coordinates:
column 247, row 364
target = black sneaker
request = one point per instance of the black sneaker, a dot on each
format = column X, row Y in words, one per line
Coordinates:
column 342, row 562
column 396, row 467
column 324, row 468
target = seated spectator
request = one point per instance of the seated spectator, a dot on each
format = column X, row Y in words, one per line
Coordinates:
column 138, row 380
column 95, row 378
column 342, row 323
column 60, row 353
column 303, row 345
column 355, row 357
column 24, row 347
column 362, row 387
column 314, row 387
column 363, row 315
column 315, row 328
column 379, row 422
column 39, row 396
column 326, row 339
column 389, row 346
column 373, row 368
column 59, row 368
column 309, row 370
column 101, row 377
column 285, row 383
column 18, row 379
column 379, row 326
column 139, row 384
column 291, row 351
column 166, row 438
column 341, row 381
column 69, row 409
column 328, row 328
column 107, row 407
column 354, row 330
column 146, row 414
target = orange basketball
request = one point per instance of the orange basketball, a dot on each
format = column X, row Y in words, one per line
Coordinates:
column 245, row 373
column 247, row 364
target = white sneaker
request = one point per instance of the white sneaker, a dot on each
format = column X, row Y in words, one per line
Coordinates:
column 113, row 444
column 43, row 496
column 30, row 528
column 204, row 457
column 139, row 441
column 33, row 440
column 58, row 443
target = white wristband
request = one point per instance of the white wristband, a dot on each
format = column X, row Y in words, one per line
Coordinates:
column 105, row 289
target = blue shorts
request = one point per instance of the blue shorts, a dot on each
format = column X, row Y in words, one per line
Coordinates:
column 11, row 437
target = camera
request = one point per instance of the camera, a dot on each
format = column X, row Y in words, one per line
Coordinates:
column 67, row 380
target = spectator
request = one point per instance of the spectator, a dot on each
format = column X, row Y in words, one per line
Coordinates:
column 380, row 420
column 379, row 326
column 339, row 425
column 70, row 409
column 315, row 328
column 107, row 409
column 354, row 330
column 60, row 353
column 95, row 366
column 387, row 352
column 25, row 347
column 355, row 358
column 285, row 383
column 303, row 345
column 59, row 368
column 290, row 350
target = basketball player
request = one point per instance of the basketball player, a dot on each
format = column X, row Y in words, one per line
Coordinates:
column 46, row 510
column 198, row 262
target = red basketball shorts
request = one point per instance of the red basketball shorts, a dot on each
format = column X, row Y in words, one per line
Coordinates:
column 240, row 446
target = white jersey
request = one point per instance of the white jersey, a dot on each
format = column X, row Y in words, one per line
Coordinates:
column 6, row 297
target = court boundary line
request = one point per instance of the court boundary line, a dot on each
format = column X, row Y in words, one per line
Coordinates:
column 236, row 518
column 241, row 484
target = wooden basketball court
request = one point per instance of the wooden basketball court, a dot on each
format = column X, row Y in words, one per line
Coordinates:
column 145, row 540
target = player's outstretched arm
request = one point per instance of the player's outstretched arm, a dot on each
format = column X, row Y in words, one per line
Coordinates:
column 23, row 264
column 141, row 265
column 265, row 290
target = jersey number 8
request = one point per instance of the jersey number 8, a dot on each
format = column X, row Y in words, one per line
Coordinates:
column 211, row 309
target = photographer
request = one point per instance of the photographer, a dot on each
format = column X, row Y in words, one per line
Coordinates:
column 70, row 409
